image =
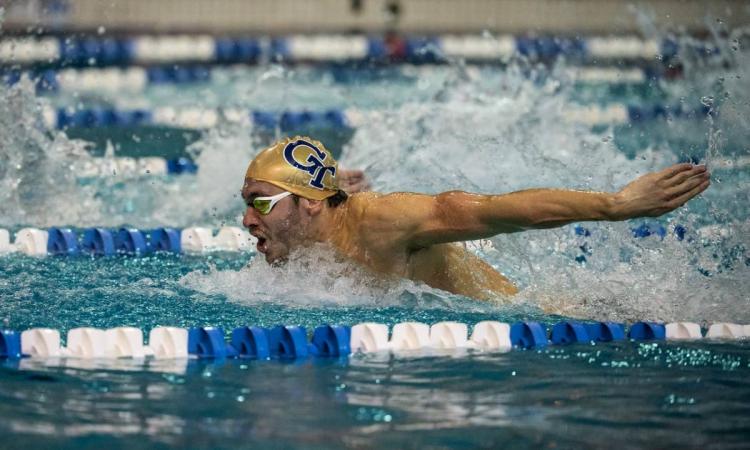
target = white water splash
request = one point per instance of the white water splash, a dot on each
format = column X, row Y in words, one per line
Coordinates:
column 316, row 276
column 516, row 138
column 37, row 181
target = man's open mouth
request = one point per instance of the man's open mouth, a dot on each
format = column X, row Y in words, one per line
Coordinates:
column 261, row 245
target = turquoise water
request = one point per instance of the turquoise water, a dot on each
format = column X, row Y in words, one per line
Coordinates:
column 626, row 395
column 490, row 129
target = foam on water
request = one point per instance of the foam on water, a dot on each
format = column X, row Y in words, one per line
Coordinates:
column 316, row 276
column 37, row 181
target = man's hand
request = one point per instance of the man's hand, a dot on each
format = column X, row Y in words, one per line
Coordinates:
column 658, row 193
column 353, row 181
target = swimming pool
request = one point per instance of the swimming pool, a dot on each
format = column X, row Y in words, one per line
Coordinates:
column 485, row 128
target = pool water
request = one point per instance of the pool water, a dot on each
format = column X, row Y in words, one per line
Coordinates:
column 419, row 128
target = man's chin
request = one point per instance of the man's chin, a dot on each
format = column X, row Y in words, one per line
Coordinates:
column 275, row 260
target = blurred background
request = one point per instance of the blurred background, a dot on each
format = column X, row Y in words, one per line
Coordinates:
column 371, row 16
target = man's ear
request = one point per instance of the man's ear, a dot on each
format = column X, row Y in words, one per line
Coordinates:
column 313, row 207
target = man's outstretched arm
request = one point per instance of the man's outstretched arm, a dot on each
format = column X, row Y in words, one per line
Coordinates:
column 459, row 216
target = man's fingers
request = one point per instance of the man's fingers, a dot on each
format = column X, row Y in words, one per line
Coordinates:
column 671, row 171
column 686, row 185
column 682, row 199
column 683, row 175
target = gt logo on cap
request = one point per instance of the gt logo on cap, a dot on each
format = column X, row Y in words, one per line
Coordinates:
column 316, row 168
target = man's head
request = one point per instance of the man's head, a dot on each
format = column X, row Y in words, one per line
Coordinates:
column 307, row 171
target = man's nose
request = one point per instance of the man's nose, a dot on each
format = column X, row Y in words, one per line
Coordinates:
column 250, row 220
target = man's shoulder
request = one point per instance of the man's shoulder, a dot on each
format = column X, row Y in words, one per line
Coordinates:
column 361, row 203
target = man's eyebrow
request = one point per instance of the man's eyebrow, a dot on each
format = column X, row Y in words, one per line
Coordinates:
column 250, row 195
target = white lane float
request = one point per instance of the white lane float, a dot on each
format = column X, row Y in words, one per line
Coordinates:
column 202, row 240
column 124, row 342
column 196, row 240
column 726, row 331
column 369, row 337
column 41, row 343
column 478, row 48
column 5, row 246
column 617, row 47
column 683, row 330
column 410, row 336
column 31, row 241
column 26, row 50
column 168, row 343
column 86, row 343
column 327, row 48
column 448, row 335
column 234, row 239
column 492, row 335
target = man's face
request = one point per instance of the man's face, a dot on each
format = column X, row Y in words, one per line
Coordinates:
column 279, row 231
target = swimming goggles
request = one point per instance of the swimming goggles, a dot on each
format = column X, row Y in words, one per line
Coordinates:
column 264, row 205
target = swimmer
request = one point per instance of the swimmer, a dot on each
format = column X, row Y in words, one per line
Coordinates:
column 294, row 199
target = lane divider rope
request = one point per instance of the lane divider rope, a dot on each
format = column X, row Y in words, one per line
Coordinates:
column 332, row 119
column 194, row 118
column 291, row 342
column 125, row 241
column 137, row 79
column 149, row 49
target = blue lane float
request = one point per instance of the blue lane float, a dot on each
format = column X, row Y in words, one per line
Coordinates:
column 98, row 242
column 62, row 241
column 130, row 241
column 251, row 343
column 288, row 342
column 164, row 240
column 207, row 342
column 177, row 74
column 331, row 340
column 181, row 166
column 569, row 333
column 605, row 331
column 647, row 331
column 528, row 335
column 10, row 344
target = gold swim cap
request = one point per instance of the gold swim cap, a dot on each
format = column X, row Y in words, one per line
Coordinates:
column 300, row 165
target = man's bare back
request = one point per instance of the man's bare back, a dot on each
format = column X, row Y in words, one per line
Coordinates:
column 365, row 237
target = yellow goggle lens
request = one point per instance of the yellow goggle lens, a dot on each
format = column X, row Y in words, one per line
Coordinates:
column 263, row 206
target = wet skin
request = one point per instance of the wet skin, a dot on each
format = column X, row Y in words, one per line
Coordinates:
column 415, row 236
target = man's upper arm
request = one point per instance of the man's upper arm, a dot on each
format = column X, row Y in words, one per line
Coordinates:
column 418, row 221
